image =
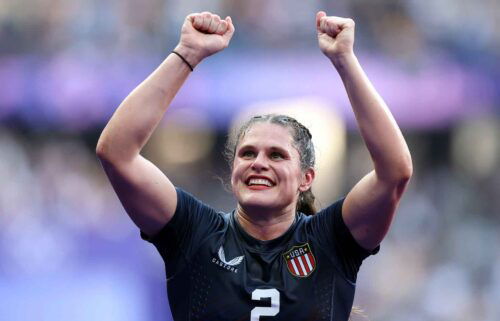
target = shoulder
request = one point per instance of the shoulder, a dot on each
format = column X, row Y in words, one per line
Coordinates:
column 188, row 202
column 329, row 227
column 191, row 215
column 333, row 209
column 326, row 216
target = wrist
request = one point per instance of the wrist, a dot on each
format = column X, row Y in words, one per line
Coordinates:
column 344, row 60
column 193, row 57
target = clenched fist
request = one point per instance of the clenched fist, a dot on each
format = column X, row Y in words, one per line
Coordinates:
column 202, row 35
column 335, row 35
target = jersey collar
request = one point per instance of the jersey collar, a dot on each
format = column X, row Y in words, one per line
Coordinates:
column 259, row 245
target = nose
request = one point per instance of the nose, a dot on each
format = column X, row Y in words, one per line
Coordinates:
column 260, row 162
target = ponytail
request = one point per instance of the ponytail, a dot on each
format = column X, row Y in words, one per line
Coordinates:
column 305, row 204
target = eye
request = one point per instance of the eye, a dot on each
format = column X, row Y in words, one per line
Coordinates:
column 277, row 155
column 247, row 154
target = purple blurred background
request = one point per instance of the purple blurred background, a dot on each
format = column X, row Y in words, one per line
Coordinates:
column 69, row 252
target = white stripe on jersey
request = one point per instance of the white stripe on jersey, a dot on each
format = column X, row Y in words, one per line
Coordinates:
column 308, row 262
column 295, row 267
column 302, row 265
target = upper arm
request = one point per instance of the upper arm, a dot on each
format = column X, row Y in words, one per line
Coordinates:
column 369, row 208
column 147, row 195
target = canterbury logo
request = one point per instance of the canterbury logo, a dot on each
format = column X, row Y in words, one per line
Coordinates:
column 237, row 260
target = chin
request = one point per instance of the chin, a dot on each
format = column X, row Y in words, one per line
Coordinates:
column 261, row 203
column 257, row 202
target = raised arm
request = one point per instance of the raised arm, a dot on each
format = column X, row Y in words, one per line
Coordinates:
column 369, row 207
column 145, row 192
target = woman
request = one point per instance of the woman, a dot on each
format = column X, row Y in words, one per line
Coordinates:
column 266, row 259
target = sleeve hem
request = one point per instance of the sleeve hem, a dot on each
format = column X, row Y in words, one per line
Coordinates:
column 154, row 239
column 352, row 240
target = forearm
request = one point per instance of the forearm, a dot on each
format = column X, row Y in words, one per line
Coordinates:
column 138, row 115
column 382, row 136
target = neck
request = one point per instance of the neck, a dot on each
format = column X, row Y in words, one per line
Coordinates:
column 264, row 225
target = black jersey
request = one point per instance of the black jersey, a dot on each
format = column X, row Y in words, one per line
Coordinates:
column 217, row 271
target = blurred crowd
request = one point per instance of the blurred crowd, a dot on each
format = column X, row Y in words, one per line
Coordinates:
column 89, row 54
column 67, row 249
column 402, row 29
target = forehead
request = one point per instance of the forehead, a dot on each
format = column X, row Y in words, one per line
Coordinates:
column 267, row 135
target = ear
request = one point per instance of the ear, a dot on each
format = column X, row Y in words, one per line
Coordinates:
column 231, row 182
column 307, row 179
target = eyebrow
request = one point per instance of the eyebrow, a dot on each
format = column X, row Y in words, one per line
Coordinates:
column 272, row 148
column 280, row 149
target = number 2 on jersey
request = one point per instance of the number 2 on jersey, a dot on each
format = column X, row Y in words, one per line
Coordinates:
column 271, row 311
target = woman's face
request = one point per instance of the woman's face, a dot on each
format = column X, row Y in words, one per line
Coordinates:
column 266, row 169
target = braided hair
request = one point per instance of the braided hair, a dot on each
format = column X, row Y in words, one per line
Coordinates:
column 302, row 141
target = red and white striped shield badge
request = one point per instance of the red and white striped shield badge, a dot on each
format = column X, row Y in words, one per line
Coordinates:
column 300, row 260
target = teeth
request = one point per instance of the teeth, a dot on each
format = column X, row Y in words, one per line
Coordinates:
column 259, row 181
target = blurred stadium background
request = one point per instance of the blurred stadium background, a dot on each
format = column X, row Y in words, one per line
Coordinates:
column 68, row 250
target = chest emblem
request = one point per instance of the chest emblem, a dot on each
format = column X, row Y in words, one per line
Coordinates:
column 231, row 265
column 300, row 260
column 237, row 260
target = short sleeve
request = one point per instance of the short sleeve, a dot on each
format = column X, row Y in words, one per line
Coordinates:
column 192, row 222
column 331, row 231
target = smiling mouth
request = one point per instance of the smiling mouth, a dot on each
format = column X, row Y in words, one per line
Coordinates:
column 258, row 187
column 263, row 182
